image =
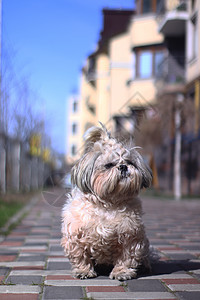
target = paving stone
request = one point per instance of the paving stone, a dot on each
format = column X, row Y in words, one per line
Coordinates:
column 165, row 267
column 58, row 266
column 61, row 277
column 181, row 281
column 181, row 256
column 46, row 234
column 15, row 238
column 19, row 296
column 184, row 287
column 21, row 230
column 151, row 285
column 191, row 247
column 14, row 264
column 40, row 272
column 55, row 248
column 197, row 276
column 24, row 279
column 83, row 283
column 66, row 292
column 155, row 242
column 132, row 295
column 35, row 244
column 19, row 289
column 4, row 271
column 188, row 295
column 11, row 243
column 103, row 289
column 40, row 225
column 8, row 252
column 7, row 258
column 58, row 259
column 32, row 258
column 190, row 265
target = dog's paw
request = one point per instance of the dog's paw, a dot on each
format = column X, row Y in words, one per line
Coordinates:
column 122, row 275
column 83, row 274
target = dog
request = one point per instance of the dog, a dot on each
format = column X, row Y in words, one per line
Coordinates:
column 102, row 219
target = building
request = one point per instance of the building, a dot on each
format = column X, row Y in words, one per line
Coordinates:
column 178, row 89
column 191, row 134
column 117, row 80
column 73, row 142
column 193, row 59
column 147, row 63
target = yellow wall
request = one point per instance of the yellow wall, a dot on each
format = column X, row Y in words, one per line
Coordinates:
column 120, row 71
column 144, row 31
column 88, row 92
column 102, row 85
column 142, row 92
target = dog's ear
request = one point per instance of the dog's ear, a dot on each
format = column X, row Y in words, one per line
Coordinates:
column 82, row 171
column 146, row 177
column 144, row 169
column 93, row 135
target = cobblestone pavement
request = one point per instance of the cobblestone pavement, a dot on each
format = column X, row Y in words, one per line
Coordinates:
column 33, row 266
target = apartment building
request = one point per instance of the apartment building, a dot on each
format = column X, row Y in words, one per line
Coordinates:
column 118, row 79
column 147, row 57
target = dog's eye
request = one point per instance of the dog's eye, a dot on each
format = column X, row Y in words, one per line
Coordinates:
column 129, row 162
column 109, row 165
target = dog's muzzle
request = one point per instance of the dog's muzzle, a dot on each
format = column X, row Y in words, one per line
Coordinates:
column 123, row 169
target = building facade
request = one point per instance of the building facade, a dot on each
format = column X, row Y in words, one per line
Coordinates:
column 117, row 80
column 147, row 63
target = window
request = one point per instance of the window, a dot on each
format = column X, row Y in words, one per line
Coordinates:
column 75, row 106
column 148, row 6
column 193, row 4
column 145, row 64
column 158, row 60
column 159, row 5
column 74, row 128
column 148, row 62
column 73, row 150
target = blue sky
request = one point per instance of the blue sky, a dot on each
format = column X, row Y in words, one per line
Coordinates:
column 51, row 39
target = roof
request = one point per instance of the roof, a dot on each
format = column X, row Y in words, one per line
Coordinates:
column 115, row 22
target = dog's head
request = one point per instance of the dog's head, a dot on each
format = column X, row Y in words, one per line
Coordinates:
column 108, row 169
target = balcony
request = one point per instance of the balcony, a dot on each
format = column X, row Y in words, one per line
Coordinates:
column 91, row 76
column 172, row 16
column 170, row 75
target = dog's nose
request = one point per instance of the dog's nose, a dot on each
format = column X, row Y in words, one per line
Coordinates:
column 123, row 168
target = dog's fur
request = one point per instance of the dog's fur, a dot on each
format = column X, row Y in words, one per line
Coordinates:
column 102, row 218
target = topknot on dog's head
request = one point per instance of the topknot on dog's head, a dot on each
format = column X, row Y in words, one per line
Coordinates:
column 96, row 135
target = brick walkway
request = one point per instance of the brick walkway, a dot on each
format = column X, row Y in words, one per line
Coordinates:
column 32, row 264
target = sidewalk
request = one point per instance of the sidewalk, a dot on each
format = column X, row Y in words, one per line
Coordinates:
column 33, row 266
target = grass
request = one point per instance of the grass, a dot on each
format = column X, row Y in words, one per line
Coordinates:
column 10, row 204
column 7, row 210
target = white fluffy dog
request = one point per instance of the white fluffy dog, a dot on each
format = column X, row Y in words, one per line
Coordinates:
column 102, row 218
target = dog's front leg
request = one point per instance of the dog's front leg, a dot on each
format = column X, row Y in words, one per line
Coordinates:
column 82, row 266
column 124, row 270
column 134, row 254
